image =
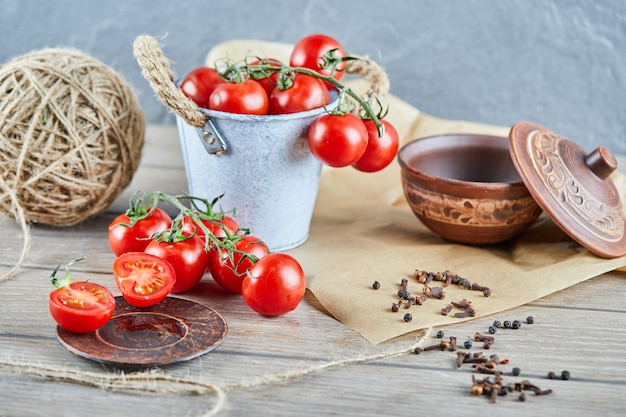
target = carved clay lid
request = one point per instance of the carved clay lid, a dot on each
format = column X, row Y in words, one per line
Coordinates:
column 572, row 186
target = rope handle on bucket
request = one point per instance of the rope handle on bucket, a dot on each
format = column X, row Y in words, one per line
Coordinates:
column 156, row 69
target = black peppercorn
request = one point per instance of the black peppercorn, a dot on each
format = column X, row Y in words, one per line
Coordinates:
column 506, row 324
column 467, row 344
column 440, row 334
column 408, row 317
column 492, row 330
column 530, row 319
column 515, row 371
column 516, row 324
column 497, row 324
column 565, row 375
column 404, row 294
column 376, row 285
column 551, row 375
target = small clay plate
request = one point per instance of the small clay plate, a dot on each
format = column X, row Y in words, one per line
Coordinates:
column 171, row 331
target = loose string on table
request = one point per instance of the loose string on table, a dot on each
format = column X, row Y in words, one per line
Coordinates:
column 160, row 382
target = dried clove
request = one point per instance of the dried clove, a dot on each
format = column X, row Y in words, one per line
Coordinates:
column 483, row 338
column 486, row 291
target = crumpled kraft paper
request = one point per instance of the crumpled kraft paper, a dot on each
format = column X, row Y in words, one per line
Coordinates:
column 364, row 231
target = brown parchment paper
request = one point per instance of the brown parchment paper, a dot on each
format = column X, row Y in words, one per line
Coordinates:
column 363, row 230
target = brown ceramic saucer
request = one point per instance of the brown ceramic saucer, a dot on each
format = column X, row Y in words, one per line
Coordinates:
column 174, row 330
column 572, row 186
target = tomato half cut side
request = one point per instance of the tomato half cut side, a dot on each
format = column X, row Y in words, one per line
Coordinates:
column 82, row 307
column 143, row 279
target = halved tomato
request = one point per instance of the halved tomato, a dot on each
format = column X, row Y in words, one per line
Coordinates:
column 81, row 306
column 143, row 279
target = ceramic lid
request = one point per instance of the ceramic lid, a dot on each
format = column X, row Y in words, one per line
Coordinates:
column 572, row 186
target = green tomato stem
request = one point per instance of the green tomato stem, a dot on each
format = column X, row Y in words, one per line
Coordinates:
column 331, row 80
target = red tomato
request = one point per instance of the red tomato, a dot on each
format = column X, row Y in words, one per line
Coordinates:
column 144, row 279
column 229, row 270
column 380, row 150
column 274, row 285
column 135, row 239
column 309, row 52
column 306, row 93
column 81, row 307
column 188, row 258
column 216, row 227
column 199, row 84
column 338, row 140
column 268, row 82
column 247, row 97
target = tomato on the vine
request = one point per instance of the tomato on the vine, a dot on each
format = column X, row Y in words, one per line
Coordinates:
column 268, row 80
column 144, row 279
column 127, row 237
column 309, row 52
column 380, row 150
column 218, row 227
column 338, row 140
column 200, row 83
column 247, row 97
column 274, row 285
column 305, row 93
column 186, row 254
column 229, row 269
column 81, row 306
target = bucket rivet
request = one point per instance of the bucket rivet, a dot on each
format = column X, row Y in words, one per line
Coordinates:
column 208, row 137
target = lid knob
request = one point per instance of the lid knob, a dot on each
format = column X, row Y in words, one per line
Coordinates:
column 601, row 162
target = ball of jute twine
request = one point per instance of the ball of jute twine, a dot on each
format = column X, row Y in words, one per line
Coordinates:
column 156, row 69
column 156, row 381
column 71, row 135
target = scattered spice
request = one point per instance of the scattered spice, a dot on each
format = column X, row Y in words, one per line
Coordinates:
column 565, row 375
column 408, row 317
column 530, row 319
column 376, row 285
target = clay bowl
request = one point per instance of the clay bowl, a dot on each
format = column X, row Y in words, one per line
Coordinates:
column 465, row 188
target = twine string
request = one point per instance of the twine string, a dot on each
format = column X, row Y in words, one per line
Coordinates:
column 159, row 382
column 71, row 134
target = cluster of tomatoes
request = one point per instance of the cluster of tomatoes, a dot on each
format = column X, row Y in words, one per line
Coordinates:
column 265, row 86
column 157, row 255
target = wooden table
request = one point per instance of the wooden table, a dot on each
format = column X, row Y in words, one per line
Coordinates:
column 302, row 363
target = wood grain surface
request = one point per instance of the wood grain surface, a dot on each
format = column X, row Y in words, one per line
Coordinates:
column 303, row 363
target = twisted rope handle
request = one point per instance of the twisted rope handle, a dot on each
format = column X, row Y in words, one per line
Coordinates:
column 373, row 73
column 155, row 68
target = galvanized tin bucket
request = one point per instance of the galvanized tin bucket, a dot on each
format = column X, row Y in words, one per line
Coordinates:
column 261, row 165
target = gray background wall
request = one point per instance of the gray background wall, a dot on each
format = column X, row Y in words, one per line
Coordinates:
column 560, row 63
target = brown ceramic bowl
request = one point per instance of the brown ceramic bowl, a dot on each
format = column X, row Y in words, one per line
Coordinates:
column 465, row 188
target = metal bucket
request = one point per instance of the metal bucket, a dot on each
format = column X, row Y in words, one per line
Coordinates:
column 261, row 165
